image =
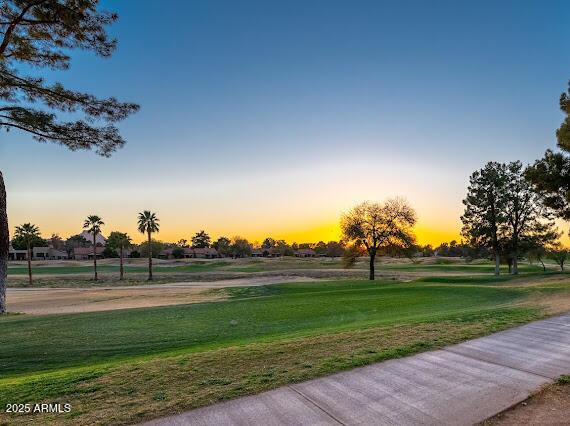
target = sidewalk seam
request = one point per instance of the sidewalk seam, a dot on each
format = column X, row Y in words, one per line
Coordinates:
column 315, row 404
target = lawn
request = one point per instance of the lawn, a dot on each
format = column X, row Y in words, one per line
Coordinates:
column 84, row 269
column 185, row 269
column 230, row 265
column 474, row 268
column 57, row 341
column 260, row 338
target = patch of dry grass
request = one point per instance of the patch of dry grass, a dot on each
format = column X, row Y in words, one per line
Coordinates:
column 43, row 301
column 552, row 296
column 148, row 389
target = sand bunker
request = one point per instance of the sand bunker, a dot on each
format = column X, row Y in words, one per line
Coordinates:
column 43, row 301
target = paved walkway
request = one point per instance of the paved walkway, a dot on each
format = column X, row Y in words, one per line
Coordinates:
column 459, row 385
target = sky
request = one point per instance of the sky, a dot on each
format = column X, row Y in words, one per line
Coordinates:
column 273, row 118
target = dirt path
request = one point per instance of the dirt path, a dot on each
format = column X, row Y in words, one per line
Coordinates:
column 43, row 301
column 551, row 406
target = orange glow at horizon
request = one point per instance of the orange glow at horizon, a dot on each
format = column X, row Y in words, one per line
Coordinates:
column 292, row 232
column 296, row 212
column 173, row 229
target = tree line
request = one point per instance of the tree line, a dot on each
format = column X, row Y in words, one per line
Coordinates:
column 237, row 246
column 510, row 209
column 505, row 214
column 507, row 210
column 27, row 236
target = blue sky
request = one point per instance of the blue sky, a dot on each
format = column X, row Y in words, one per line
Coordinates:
column 271, row 118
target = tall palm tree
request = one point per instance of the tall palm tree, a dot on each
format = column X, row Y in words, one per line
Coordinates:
column 93, row 225
column 28, row 233
column 119, row 241
column 148, row 223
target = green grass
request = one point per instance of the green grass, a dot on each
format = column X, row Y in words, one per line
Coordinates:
column 64, row 270
column 253, row 265
column 120, row 393
column 260, row 338
column 476, row 268
column 243, row 265
column 56, row 341
column 488, row 279
column 189, row 268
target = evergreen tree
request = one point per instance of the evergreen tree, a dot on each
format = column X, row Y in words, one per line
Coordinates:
column 551, row 174
column 41, row 34
column 484, row 219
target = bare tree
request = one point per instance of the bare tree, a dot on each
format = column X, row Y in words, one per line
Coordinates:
column 379, row 225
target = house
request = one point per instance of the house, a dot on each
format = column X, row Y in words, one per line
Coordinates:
column 17, row 254
column 86, row 253
column 192, row 253
column 48, row 253
column 266, row 252
column 257, row 252
column 305, row 253
column 58, row 254
column 205, row 253
column 272, row 252
column 38, row 253
column 99, row 239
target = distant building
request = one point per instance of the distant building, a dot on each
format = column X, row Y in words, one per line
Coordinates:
column 48, row 253
column 257, row 252
column 206, row 253
column 38, row 253
column 305, row 253
column 14, row 254
column 272, row 252
column 192, row 253
column 99, row 239
column 86, row 253
column 265, row 252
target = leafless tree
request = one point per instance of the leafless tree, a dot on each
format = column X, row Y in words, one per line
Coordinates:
column 379, row 225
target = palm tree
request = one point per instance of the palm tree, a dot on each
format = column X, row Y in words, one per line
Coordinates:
column 148, row 223
column 93, row 225
column 119, row 241
column 28, row 233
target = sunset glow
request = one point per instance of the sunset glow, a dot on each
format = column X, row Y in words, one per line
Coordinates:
column 271, row 129
column 262, row 212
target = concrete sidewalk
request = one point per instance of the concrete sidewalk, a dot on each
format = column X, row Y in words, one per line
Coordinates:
column 459, row 385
